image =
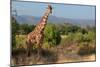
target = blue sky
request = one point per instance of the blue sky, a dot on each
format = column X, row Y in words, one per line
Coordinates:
column 59, row 10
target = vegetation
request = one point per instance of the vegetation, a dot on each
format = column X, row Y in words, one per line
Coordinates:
column 51, row 35
column 15, row 26
column 25, row 28
column 64, row 38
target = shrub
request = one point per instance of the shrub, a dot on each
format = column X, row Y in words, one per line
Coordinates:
column 86, row 48
column 78, row 37
column 20, row 41
column 51, row 35
column 70, row 37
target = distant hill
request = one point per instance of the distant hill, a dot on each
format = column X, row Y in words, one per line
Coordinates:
column 53, row 19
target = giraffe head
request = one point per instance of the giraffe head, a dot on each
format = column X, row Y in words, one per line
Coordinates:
column 49, row 9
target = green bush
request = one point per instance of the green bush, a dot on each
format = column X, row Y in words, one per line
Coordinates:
column 25, row 28
column 51, row 35
column 86, row 48
column 76, row 37
column 70, row 37
column 20, row 41
column 87, row 45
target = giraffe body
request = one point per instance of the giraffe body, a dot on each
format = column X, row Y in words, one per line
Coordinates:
column 36, row 36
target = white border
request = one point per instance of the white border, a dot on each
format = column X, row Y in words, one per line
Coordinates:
column 4, row 33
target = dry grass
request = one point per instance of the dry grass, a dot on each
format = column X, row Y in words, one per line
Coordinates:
column 65, row 52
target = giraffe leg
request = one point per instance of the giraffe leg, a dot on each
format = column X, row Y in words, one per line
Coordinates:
column 29, row 48
column 39, row 51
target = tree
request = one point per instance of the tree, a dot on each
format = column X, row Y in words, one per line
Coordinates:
column 15, row 27
column 25, row 28
column 67, row 28
column 30, row 28
column 51, row 35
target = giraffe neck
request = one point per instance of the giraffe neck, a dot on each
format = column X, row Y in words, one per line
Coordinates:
column 45, row 16
column 44, row 19
column 40, row 27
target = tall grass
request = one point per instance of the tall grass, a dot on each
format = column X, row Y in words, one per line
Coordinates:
column 21, row 41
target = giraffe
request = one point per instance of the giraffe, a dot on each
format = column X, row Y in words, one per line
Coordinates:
column 36, row 36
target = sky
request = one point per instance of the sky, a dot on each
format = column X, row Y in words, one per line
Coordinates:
column 60, row 10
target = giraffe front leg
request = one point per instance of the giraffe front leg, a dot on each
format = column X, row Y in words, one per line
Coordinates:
column 39, row 51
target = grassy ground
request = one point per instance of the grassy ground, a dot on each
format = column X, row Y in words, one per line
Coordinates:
column 65, row 52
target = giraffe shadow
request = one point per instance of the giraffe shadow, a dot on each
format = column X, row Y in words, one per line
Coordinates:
column 18, row 56
column 49, row 56
column 46, row 56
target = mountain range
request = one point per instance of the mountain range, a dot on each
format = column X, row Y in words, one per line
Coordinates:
column 56, row 20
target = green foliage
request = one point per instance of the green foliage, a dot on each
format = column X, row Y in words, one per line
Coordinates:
column 75, row 37
column 87, row 43
column 78, row 37
column 19, row 29
column 13, row 40
column 25, row 28
column 67, row 28
column 55, row 34
column 15, row 27
column 86, row 48
column 73, row 29
column 83, row 31
column 30, row 28
column 91, row 35
column 20, row 41
column 51, row 35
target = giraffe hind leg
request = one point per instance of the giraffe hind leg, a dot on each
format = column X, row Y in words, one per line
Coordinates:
column 28, row 48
